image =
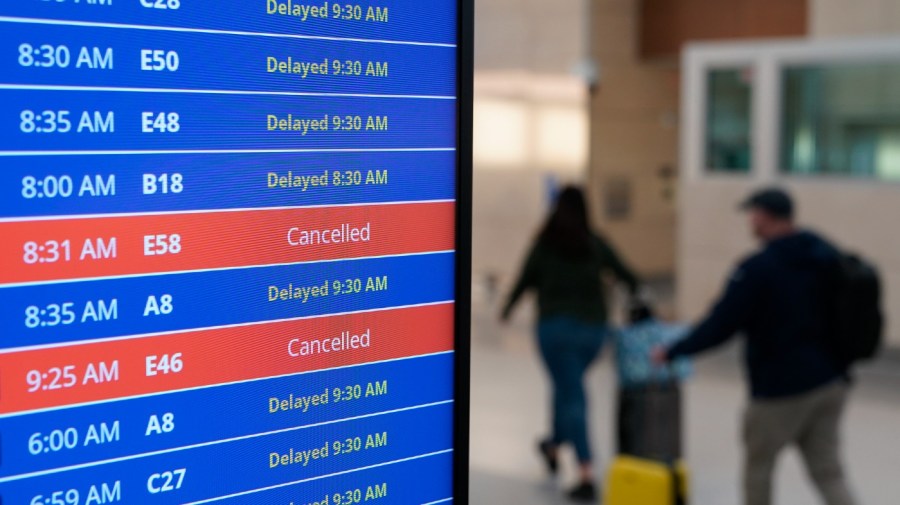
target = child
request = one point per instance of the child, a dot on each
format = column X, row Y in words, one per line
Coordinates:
column 649, row 417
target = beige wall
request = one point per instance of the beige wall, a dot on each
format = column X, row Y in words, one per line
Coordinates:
column 634, row 137
column 829, row 18
column 533, row 35
column 712, row 238
column 529, row 130
column 530, row 122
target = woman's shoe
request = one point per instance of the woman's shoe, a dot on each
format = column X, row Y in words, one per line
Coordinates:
column 548, row 454
column 584, row 492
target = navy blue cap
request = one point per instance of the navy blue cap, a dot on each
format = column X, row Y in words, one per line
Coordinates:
column 774, row 201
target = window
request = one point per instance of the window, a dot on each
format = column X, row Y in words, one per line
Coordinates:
column 728, row 122
column 842, row 119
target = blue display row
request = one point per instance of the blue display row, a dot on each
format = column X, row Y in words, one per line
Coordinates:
column 393, row 20
column 93, row 120
column 136, row 305
column 115, row 57
column 425, row 480
column 97, row 184
column 241, row 465
column 75, row 435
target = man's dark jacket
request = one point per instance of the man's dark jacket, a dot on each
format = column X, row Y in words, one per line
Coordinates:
column 778, row 299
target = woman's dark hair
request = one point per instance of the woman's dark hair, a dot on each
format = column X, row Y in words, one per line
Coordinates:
column 568, row 230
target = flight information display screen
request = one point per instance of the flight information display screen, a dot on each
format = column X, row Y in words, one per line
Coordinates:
column 229, row 251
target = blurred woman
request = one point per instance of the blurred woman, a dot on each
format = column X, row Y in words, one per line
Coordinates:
column 566, row 267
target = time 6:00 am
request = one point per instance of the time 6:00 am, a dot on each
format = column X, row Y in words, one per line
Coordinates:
column 68, row 439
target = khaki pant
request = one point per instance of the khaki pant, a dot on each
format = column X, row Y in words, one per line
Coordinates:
column 812, row 423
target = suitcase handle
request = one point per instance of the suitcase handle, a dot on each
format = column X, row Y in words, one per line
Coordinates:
column 678, row 497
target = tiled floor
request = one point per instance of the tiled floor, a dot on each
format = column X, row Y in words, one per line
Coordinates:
column 509, row 396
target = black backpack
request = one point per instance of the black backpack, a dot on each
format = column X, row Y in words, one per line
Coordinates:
column 857, row 323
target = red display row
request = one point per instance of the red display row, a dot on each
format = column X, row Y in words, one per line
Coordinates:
column 109, row 246
column 80, row 373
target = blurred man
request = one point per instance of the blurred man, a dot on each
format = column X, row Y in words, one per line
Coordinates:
column 778, row 300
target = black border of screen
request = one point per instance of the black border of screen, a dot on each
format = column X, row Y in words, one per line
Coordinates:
column 463, row 299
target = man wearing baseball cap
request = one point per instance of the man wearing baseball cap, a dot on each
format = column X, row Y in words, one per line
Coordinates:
column 777, row 300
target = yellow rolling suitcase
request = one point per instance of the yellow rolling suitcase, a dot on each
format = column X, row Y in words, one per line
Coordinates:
column 635, row 481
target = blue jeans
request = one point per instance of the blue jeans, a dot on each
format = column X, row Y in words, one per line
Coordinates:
column 568, row 347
